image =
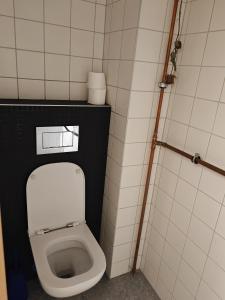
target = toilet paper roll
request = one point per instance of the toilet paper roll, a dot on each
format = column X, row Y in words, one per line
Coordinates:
column 96, row 96
column 96, row 80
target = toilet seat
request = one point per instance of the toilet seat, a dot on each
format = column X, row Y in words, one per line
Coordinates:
column 60, row 287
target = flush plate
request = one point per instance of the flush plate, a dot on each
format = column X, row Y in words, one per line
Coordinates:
column 57, row 139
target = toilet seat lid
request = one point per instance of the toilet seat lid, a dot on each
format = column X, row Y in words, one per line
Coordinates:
column 55, row 196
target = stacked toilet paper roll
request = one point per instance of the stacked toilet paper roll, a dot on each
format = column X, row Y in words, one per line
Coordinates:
column 96, row 88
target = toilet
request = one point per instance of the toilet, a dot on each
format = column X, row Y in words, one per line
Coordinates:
column 68, row 259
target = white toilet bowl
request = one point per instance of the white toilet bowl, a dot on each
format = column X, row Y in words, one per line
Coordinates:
column 68, row 259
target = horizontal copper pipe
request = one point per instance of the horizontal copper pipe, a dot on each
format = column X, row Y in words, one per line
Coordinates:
column 191, row 157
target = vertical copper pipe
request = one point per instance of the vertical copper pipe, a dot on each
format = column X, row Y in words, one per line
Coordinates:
column 155, row 134
column 3, row 288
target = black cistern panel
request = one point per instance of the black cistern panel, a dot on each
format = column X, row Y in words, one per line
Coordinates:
column 18, row 159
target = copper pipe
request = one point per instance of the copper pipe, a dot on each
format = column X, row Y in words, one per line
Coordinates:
column 3, row 287
column 189, row 156
column 155, row 134
column 174, row 149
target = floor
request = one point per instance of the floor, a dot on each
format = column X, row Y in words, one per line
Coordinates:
column 125, row 287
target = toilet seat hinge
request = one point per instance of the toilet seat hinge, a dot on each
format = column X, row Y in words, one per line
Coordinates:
column 46, row 230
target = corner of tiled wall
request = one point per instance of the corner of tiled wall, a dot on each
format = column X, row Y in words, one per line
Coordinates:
column 133, row 54
column 185, row 245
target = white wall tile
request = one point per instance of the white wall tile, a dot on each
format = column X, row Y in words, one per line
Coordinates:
column 131, row 176
column 82, row 43
column 182, row 108
column 163, row 291
column 137, row 130
column 97, row 65
column 152, row 14
column 210, row 83
column 7, row 35
column 168, row 182
column 160, row 223
column 216, row 150
column 119, row 268
column 206, row 209
column 121, row 252
column 212, row 184
column 131, row 15
column 218, row 22
column 171, row 257
column 79, row 69
column 167, row 276
column 117, row 15
column 140, row 104
column 29, row 9
column 112, row 72
column 83, row 15
column 203, row 120
column 194, row 49
column 144, row 75
column 210, row 59
column 201, row 8
column 123, row 235
column 57, row 67
column 29, row 35
column 220, row 228
column 197, row 141
column 57, row 39
column 180, row 216
column 217, row 250
column 8, row 87
column 189, row 278
column 194, row 256
column 148, row 45
column 180, row 292
column 6, row 7
column 57, row 90
column 98, row 45
column 163, row 203
column 214, row 277
column 78, row 91
column 125, row 74
column 190, row 173
column 126, row 216
column 171, row 161
column 175, row 237
column 133, row 154
column 128, row 197
column 8, row 62
column 200, row 234
column 57, row 12
column 187, row 80
column 30, row 64
column 205, row 293
column 115, row 44
column 31, row 89
column 100, row 18
column 128, row 44
column 119, row 127
column 177, row 134
column 219, row 127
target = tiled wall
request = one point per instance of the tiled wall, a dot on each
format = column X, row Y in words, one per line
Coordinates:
column 135, row 36
column 47, row 47
column 185, row 245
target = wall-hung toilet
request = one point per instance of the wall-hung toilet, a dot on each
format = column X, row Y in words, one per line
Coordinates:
column 68, row 259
